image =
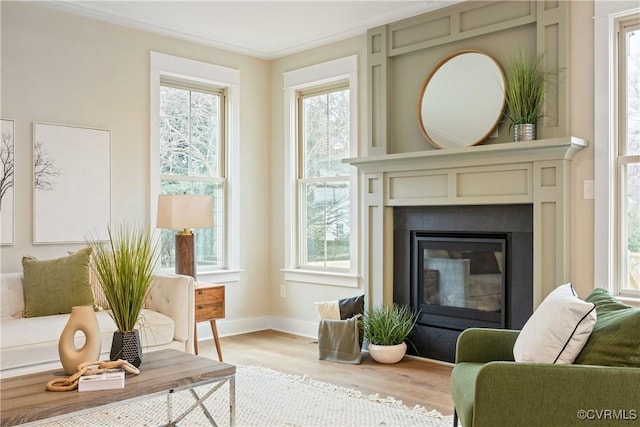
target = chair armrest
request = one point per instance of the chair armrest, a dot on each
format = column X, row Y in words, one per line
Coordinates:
column 528, row 394
column 485, row 345
column 173, row 296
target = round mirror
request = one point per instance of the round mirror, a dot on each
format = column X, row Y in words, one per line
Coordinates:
column 461, row 100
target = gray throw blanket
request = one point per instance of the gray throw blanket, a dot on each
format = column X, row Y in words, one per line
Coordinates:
column 339, row 340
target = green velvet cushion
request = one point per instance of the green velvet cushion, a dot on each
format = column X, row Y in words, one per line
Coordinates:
column 615, row 340
column 54, row 286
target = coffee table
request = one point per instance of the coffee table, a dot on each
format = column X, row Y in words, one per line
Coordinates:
column 25, row 400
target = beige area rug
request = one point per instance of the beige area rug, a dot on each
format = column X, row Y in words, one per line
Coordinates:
column 265, row 397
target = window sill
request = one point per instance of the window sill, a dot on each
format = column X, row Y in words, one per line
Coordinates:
column 634, row 302
column 212, row 276
column 220, row 276
column 322, row 277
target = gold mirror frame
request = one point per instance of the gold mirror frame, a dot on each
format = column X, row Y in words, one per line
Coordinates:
column 461, row 100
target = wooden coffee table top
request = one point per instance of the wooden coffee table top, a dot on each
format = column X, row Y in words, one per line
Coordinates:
column 25, row 399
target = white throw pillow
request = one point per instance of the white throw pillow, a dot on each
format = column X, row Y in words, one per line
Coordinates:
column 328, row 310
column 557, row 330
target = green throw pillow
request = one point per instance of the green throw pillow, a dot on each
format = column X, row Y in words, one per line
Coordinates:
column 615, row 340
column 54, row 286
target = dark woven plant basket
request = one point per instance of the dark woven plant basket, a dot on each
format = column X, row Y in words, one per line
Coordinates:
column 126, row 346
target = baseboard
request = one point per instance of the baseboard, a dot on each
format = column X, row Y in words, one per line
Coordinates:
column 230, row 327
column 303, row 328
column 437, row 362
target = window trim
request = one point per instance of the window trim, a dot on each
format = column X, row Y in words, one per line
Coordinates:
column 607, row 18
column 163, row 65
column 302, row 180
column 317, row 76
column 623, row 158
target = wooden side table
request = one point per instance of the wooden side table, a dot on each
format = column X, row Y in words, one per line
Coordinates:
column 209, row 302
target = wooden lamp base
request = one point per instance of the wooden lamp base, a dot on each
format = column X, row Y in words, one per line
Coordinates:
column 185, row 256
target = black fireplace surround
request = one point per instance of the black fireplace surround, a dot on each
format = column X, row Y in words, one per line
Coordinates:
column 462, row 266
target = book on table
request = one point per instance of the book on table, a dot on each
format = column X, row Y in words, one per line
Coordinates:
column 109, row 380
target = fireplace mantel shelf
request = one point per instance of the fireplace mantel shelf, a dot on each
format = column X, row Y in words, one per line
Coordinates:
column 511, row 152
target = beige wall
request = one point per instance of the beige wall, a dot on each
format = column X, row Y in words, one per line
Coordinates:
column 298, row 303
column 406, row 137
column 65, row 69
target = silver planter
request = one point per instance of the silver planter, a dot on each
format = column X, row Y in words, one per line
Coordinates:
column 524, row 132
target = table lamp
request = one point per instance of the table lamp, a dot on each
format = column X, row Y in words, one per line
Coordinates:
column 185, row 211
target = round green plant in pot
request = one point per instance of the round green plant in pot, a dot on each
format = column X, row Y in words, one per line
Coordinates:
column 124, row 265
column 386, row 329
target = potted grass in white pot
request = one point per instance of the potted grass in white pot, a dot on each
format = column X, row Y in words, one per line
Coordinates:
column 386, row 329
column 124, row 266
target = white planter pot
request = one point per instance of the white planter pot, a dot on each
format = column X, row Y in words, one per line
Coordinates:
column 387, row 353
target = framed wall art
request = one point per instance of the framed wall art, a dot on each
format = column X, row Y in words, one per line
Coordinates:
column 7, row 200
column 72, row 183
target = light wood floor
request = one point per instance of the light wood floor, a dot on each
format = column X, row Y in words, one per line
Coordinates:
column 414, row 381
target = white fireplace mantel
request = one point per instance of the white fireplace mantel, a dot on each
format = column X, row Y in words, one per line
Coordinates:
column 533, row 172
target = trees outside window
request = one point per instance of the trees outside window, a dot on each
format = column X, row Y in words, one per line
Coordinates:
column 628, row 157
column 324, row 188
column 191, row 134
column 321, row 191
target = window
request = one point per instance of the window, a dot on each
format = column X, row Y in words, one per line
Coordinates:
column 321, row 193
column 323, row 183
column 628, row 157
column 194, row 130
column 617, row 148
column 191, row 131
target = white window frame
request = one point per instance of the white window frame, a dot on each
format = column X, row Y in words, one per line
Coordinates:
column 229, row 79
column 343, row 69
column 606, row 267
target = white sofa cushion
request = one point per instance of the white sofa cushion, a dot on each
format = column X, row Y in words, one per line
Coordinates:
column 12, row 301
column 34, row 340
column 155, row 329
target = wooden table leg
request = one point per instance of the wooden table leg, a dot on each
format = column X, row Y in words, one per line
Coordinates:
column 195, row 338
column 214, row 329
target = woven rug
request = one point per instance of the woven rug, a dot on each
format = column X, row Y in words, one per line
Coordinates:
column 269, row 398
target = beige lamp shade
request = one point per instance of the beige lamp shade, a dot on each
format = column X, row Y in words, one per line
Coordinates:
column 184, row 211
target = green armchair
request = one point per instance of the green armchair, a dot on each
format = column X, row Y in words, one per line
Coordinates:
column 489, row 389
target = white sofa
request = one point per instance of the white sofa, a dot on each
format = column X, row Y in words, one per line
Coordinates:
column 31, row 344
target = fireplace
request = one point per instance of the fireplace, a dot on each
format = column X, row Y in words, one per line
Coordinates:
column 458, row 280
column 460, row 267
column 534, row 176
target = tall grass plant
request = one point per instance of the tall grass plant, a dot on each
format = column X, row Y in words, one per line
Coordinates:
column 124, row 266
column 525, row 84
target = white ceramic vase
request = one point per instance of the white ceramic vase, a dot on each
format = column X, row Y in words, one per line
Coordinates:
column 83, row 318
column 387, row 353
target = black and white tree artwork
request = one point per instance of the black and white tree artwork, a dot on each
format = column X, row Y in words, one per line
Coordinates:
column 44, row 169
column 6, row 182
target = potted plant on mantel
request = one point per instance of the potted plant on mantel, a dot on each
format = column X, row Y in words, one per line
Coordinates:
column 387, row 328
column 124, row 266
column 525, row 84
